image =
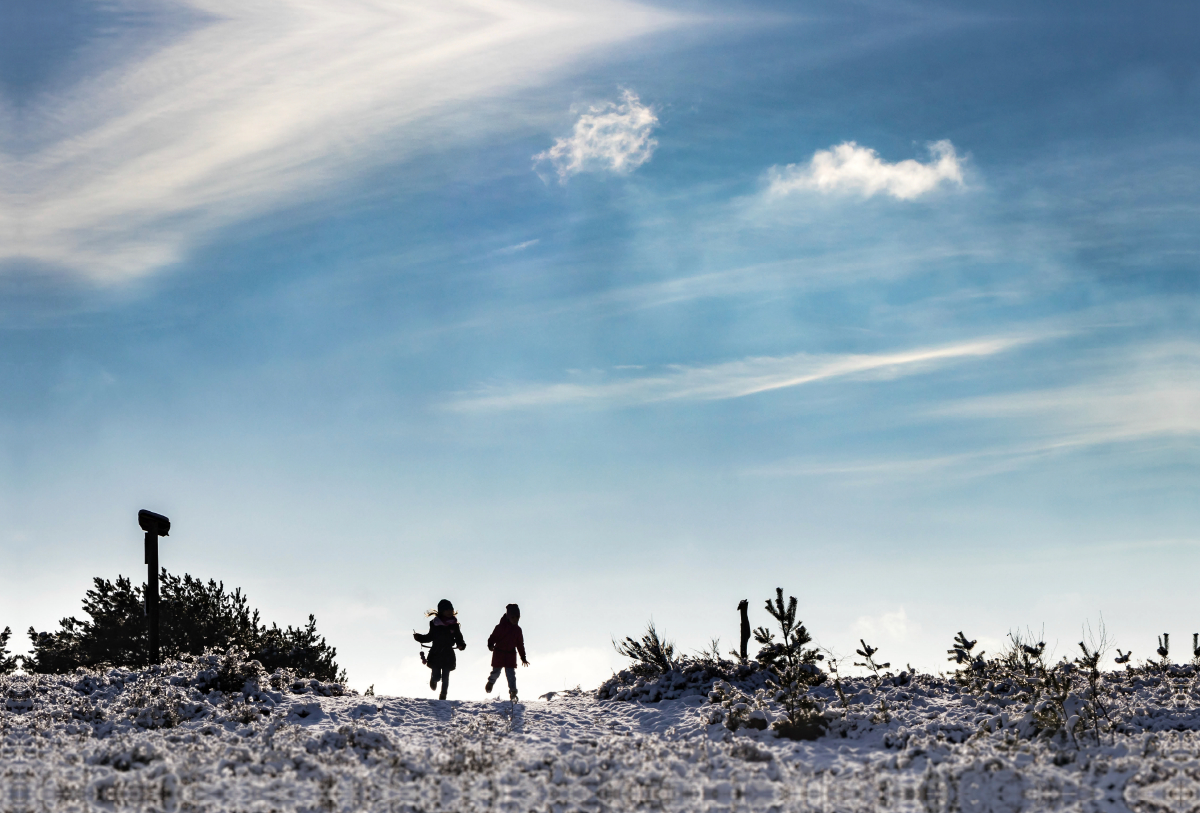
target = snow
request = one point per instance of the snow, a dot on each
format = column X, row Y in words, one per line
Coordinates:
column 169, row 739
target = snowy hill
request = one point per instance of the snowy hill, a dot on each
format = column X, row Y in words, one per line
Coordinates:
column 170, row 739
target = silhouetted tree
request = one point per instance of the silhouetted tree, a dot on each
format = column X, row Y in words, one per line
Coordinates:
column 8, row 662
column 195, row 617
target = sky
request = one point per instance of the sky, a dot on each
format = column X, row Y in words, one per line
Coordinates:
column 620, row 311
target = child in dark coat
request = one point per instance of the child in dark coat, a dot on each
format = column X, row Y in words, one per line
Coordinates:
column 505, row 642
column 444, row 635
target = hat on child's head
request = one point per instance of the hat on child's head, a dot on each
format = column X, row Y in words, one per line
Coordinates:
column 513, row 609
column 445, row 606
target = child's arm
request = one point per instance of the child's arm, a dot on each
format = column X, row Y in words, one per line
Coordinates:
column 458, row 639
column 521, row 647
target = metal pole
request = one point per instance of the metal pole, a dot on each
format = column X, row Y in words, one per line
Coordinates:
column 155, row 525
column 152, row 593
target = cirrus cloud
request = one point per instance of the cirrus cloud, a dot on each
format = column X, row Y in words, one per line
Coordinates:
column 849, row 167
column 265, row 105
column 614, row 136
column 735, row 379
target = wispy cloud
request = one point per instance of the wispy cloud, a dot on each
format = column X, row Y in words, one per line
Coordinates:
column 270, row 103
column 518, row 247
column 1155, row 400
column 849, row 167
column 735, row 379
column 613, row 137
column 1158, row 395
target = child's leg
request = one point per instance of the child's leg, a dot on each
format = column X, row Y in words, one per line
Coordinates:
column 435, row 674
column 491, row 681
column 445, row 683
column 510, row 672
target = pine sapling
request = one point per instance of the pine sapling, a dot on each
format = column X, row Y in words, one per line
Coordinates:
column 1195, row 649
column 867, row 653
column 792, row 667
column 962, row 652
column 1164, row 649
column 1123, row 657
column 1089, row 662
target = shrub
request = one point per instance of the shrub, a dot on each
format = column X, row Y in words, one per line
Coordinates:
column 658, row 672
column 8, row 663
column 195, row 617
column 653, row 655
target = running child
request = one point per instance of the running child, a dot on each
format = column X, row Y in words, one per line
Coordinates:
column 505, row 642
column 444, row 635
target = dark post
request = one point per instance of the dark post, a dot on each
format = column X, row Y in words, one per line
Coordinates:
column 155, row 525
column 743, row 606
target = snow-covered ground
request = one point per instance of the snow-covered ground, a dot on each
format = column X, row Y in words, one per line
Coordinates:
column 169, row 740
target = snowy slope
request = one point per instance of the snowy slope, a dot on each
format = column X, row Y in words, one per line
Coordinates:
column 169, row 740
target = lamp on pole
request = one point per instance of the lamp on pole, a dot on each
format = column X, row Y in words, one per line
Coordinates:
column 155, row 525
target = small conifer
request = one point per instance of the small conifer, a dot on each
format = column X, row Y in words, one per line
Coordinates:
column 793, row 668
column 8, row 662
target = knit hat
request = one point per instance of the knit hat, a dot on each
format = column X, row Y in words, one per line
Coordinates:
column 513, row 609
column 445, row 606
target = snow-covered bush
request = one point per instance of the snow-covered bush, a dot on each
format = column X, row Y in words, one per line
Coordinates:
column 212, row 688
column 770, row 690
column 195, row 618
column 657, row 673
column 691, row 676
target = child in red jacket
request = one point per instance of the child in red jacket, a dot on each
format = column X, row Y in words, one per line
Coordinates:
column 505, row 642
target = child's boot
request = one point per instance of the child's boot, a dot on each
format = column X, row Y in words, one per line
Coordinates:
column 487, row 687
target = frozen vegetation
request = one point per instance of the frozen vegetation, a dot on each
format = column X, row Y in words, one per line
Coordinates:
column 784, row 730
column 219, row 733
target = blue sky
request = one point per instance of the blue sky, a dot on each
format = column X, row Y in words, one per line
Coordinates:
column 618, row 311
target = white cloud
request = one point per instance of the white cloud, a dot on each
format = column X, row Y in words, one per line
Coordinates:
column 614, row 136
column 851, row 168
column 734, row 379
column 268, row 104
